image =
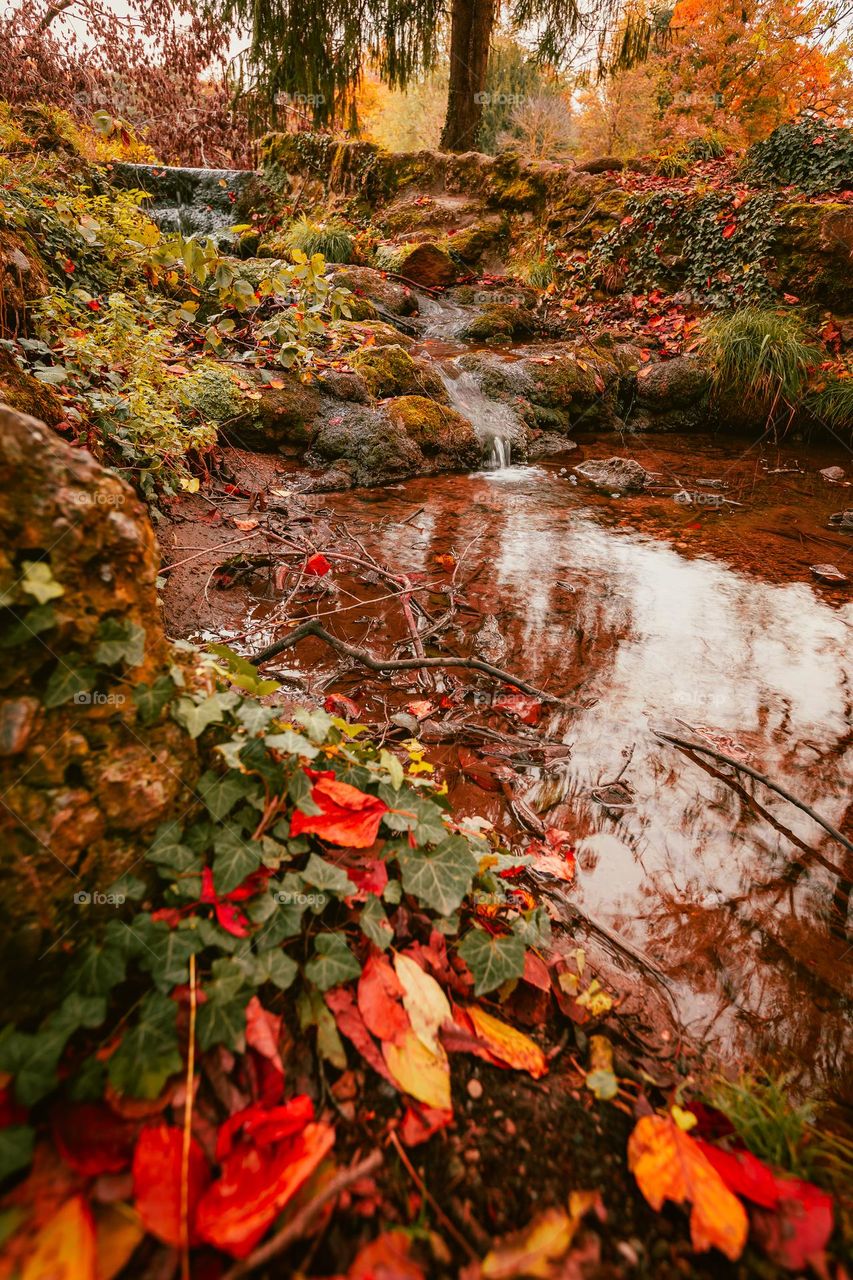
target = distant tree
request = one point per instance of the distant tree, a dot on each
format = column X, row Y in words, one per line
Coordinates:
column 620, row 114
column 541, row 128
column 317, row 52
column 513, row 76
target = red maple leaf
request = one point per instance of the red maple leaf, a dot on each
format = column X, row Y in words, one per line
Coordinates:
column 347, row 817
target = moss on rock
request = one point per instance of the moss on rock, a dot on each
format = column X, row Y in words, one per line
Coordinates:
column 25, row 393
column 436, row 429
column 23, row 281
column 391, row 371
column 499, row 321
column 260, row 411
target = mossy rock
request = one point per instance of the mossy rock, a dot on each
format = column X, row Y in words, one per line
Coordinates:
column 377, row 332
column 426, row 264
column 499, row 321
column 27, row 394
column 514, row 186
column 812, row 252
column 23, row 281
column 391, row 371
column 258, row 411
column 371, row 286
column 470, row 243
column 437, row 429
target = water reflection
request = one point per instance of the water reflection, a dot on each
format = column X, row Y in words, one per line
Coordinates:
column 745, row 909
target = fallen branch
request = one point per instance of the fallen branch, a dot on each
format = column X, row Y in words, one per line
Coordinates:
column 297, row 1226
column 425, row 1192
column 690, row 745
column 394, row 664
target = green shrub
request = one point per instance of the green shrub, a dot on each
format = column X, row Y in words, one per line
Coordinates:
column 807, row 153
column 760, row 355
column 709, row 146
column 673, row 164
column 331, row 239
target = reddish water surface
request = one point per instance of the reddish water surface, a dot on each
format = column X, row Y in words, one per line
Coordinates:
column 645, row 612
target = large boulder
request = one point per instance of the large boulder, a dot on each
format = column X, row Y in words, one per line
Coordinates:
column 259, row 409
column 618, row 476
column 391, row 371
column 27, row 394
column 375, row 286
column 558, row 387
column 812, row 253
column 673, row 384
column 426, row 264
column 499, row 322
column 441, row 433
column 90, row 762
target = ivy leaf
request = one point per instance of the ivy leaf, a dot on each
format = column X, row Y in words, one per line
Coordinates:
column 33, row 1061
column 151, row 699
column 229, row 978
column 374, row 923
column 299, row 791
column 290, row 743
column 220, row 794
column 234, row 859
column 428, row 825
column 197, row 716
column 149, row 1053
column 439, row 879
column 534, row 928
column 332, row 962
column 276, row 967
column 78, row 1010
column 120, row 642
column 169, row 963
column 223, row 1024
column 492, row 960
column 99, row 970
column 16, row 1148
column 36, row 620
column 38, row 581
column 167, row 850
column 68, row 682
column 325, row 875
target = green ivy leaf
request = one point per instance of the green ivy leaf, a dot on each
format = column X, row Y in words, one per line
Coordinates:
column 38, row 581
column 198, row 716
column 276, row 967
column 223, row 1024
column 151, row 699
column 69, row 682
column 492, row 960
column 220, row 794
column 326, row 876
column 99, row 970
column 234, row 859
column 16, row 1148
column 149, row 1053
column 120, row 642
column 294, row 744
column 374, row 923
column 332, row 962
column 440, row 878
column 167, row 850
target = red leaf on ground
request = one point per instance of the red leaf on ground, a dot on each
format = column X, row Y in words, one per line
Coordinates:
column 729, row 229
column 799, row 1227
column 370, row 877
column 265, row 1126
column 348, row 817
column 255, row 1185
column 743, row 1173
column 157, row 1182
column 352, row 1026
column 91, row 1138
column 386, row 1258
column 536, row 971
column 263, row 1030
column 419, row 1123
column 528, row 710
column 420, row 708
column 338, row 705
column 316, row 566
column 380, row 1000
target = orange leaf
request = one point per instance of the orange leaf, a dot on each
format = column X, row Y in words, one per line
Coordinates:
column 118, row 1232
column 511, row 1046
column 729, row 229
column 255, row 1186
column 348, row 816
column 65, row 1248
column 157, row 1165
column 668, row 1165
column 380, row 996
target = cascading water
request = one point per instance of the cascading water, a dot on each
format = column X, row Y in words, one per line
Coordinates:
column 496, row 424
column 192, row 201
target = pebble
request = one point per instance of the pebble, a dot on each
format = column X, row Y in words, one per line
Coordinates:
column 475, row 1089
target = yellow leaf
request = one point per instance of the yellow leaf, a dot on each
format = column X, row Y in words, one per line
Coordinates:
column 533, row 1250
column 511, row 1046
column 668, row 1165
column 65, row 1247
column 424, row 1001
column 118, row 1230
column 418, row 1072
column 684, row 1119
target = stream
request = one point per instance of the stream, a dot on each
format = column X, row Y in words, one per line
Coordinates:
column 640, row 612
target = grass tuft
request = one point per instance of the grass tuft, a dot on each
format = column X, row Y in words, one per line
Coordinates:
column 833, row 404
column 760, row 355
column 331, row 239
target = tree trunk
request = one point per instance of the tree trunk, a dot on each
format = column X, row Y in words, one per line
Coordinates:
column 471, row 24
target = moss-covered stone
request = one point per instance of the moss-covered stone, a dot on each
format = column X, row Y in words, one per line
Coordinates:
column 437, row 429
column 21, row 391
column 501, row 322
column 370, row 285
column 260, row 411
column 376, row 332
column 391, row 371
column 812, row 253
column 426, row 264
column 22, row 282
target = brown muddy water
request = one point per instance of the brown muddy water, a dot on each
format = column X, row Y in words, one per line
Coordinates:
column 645, row 612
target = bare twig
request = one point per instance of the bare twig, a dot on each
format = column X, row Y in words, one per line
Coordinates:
column 397, row 664
column 298, row 1225
column 437, row 1209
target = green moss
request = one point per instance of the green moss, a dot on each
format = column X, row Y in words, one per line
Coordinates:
column 435, row 428
column 391, row 371
column 25, row 393
column 499, row 320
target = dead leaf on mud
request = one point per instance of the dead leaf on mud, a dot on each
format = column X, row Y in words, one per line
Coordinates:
column 669, row 1165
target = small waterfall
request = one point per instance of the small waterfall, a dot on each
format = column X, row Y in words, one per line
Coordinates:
column 191, row 201
column 495, row 423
